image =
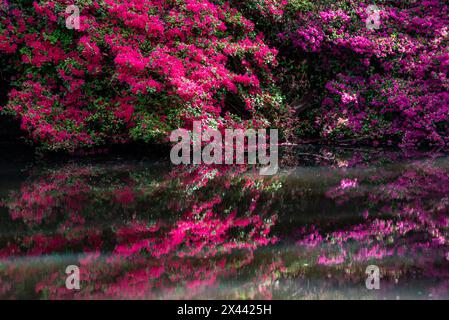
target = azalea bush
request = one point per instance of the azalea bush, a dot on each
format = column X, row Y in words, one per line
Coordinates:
column 379, row 76
column 135, row 70
column 334, row 71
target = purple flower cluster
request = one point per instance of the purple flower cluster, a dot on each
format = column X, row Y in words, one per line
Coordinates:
column 383, row 85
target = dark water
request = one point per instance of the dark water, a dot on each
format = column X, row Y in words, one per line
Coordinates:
column 139, row 228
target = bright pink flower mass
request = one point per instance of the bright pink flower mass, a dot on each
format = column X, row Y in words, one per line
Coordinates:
column 133, row 71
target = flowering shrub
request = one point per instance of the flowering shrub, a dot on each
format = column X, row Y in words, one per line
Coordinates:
column 381, row 83
column 135, row 70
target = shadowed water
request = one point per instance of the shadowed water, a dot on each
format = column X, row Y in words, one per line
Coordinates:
column 140, row 228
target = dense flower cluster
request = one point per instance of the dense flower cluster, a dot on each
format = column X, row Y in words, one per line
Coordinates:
column 135, row 70
column 383, row 75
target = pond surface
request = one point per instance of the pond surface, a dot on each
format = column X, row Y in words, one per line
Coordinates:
column 141, row 228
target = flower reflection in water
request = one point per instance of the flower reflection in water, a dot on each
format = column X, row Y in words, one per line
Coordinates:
column 141, row 230
column 134, row 235
column 402, row 226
